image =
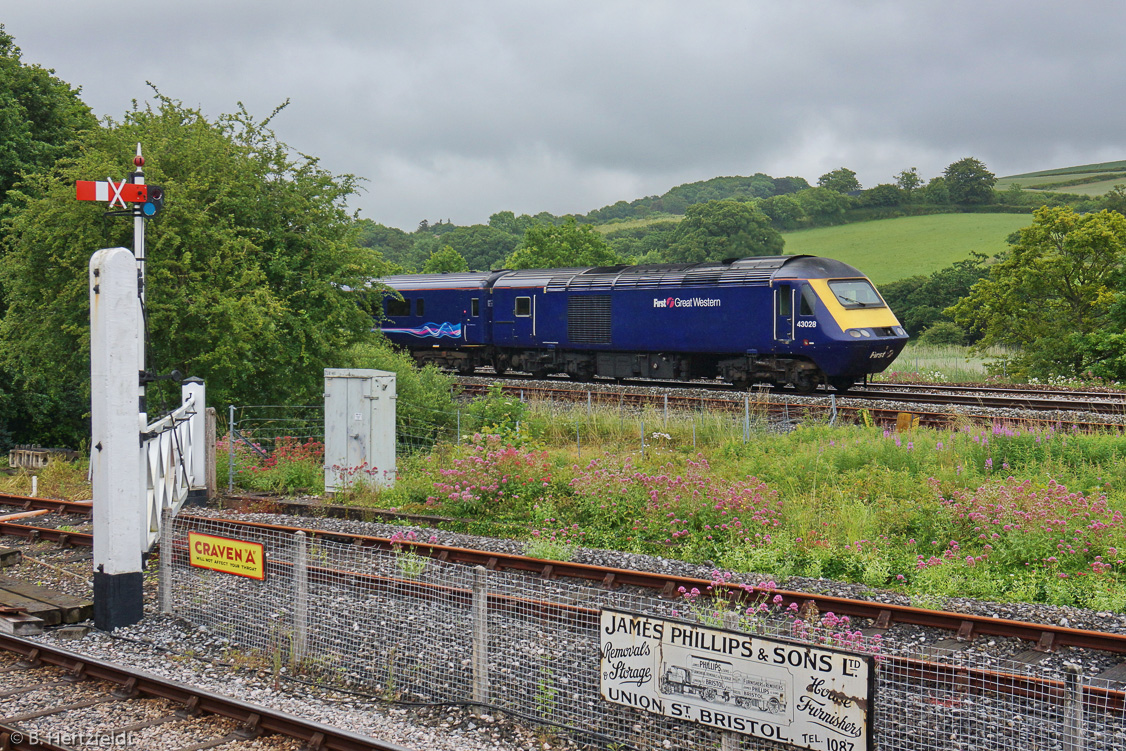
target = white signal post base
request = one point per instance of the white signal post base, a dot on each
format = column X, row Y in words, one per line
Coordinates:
column 117, row 457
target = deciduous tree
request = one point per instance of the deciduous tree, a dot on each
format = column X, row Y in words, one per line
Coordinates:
column 1053, row 294
column 446, row 259
column 548, row 246
column 717, row 230
column 908, row 180
column 842, row 180
column 40, row 115
column 969, row 182
column 250, row 266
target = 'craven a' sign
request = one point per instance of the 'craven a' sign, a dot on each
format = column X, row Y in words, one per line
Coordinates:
column 236, row 557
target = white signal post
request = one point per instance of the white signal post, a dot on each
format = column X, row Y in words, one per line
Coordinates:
column 139, row 254
column 117, row 326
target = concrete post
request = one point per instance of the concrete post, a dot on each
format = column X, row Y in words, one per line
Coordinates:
column 300, row 598
column 1075, row 727
column 480, row 694
column 117, row 457
column 166, row 564
column 210, row 471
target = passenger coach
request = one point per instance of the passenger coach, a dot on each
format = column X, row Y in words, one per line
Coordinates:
column 798, row 320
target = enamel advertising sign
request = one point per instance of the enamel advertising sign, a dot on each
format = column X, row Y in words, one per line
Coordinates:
column 788, row 692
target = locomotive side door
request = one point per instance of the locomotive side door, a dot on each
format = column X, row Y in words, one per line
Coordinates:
column 784, row 313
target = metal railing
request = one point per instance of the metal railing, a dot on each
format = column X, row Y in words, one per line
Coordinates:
column 174, row 457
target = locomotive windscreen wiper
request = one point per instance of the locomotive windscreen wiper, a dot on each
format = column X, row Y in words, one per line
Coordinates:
column 850, row 301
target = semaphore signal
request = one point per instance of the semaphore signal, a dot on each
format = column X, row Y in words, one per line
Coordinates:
column 151, row 197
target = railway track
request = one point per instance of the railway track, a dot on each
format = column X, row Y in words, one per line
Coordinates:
column 764, row 402
column 1045, row 637
column 56, row 520
column 998, row 399
column 57, row 699
column 1041, row 638
column 1100, row 402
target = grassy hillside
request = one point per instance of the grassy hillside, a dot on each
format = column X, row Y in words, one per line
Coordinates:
column 1084, row 179
column 892, row 249
column 620, row 224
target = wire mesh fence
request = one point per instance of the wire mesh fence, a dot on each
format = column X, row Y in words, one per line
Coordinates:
column 400, row 626
column 257, row 437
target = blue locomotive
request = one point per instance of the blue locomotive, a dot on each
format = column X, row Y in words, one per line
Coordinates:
column 799, row 320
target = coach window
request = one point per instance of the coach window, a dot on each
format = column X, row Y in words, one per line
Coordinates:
column 474, row 307
column 398, row 307
column 808, row 301
column 419, row 308
column 523, row 307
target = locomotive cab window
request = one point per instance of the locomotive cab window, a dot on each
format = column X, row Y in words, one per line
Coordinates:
column 808, row 304
column 398, row 307
column 523, row 307
column 475, row 307
column 856, row 293
column 419, row 307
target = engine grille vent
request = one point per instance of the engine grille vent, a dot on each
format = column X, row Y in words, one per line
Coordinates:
column 588, row 319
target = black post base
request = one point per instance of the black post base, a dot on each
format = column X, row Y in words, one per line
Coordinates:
column 119, row 599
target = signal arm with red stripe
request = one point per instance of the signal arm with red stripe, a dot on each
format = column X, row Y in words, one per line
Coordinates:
column 89, row 190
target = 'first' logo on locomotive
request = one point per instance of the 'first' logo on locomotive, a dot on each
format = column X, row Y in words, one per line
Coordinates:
column 687, row 302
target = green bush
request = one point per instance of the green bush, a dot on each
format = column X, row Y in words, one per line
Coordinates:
column 943, row 332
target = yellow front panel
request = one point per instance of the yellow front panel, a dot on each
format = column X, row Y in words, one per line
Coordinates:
column 852, row 318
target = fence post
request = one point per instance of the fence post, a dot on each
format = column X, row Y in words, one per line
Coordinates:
column 231, row 451
column 166, row 563
column 300, row 597
column 642, row 439
column 211, row 477
column 666, row 411
column 459, row 427
column 588, row 407
column 578, row 442
column 746, row 418
column 480, row 636
column 728, row 739
column 1074, row 730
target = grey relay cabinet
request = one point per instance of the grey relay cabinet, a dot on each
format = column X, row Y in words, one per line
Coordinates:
column 359, row 428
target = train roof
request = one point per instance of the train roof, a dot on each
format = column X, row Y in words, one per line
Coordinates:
column 755, row 270
column 446, row 280
column 816, row 267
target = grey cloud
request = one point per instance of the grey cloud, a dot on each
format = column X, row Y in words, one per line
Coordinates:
column 456, row 110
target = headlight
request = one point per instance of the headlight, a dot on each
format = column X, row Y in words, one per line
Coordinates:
column 899, row 331
column 865, row 333
column 854, row 333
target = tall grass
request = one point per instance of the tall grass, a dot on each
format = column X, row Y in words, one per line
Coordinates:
column 59, row 479
column 947, row 363
column 845, row 502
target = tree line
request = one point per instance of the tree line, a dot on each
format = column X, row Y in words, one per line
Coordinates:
column 259, row 277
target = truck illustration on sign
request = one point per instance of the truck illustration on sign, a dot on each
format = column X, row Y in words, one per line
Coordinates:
column 717, row 681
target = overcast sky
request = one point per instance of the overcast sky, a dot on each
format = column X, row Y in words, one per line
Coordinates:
column 456, row 110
